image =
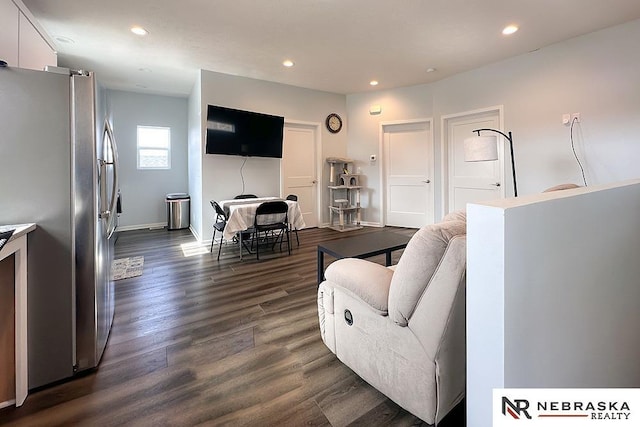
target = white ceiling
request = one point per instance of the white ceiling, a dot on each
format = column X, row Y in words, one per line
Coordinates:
column 337, row 45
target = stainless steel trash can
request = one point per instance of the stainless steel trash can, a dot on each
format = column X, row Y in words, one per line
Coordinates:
column 178, row 210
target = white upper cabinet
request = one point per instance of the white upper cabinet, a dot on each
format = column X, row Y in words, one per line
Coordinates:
column 33, row 51
column 22, row 44
column 9, row 18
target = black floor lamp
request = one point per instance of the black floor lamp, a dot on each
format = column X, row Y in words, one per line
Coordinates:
column 485, row 148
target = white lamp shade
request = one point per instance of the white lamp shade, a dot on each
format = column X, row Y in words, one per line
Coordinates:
column 480, row 149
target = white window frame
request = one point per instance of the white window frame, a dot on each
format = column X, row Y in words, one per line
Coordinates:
column 161, row 147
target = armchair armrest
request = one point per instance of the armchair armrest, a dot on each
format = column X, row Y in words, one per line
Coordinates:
column 367, row 280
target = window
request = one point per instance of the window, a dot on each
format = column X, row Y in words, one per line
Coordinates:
column 154, row 147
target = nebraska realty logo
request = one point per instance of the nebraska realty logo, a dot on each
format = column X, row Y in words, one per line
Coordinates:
column 565, row 407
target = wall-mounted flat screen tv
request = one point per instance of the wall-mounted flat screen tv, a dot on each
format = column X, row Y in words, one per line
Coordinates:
column 243, row 133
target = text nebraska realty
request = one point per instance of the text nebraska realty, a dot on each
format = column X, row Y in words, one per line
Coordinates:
column 599, row 410
column 602, row 410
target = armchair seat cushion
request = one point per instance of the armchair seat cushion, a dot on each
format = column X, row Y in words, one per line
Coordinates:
column 369, row 281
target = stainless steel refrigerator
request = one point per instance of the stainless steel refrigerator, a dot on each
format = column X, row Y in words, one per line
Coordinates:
column 58, row 169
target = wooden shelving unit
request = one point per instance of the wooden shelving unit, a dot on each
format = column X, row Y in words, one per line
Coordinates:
column 344, row 195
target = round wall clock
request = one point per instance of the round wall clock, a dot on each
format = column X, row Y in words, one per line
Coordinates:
column 334, row 123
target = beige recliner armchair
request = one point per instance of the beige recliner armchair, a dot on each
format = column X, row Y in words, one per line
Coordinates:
column 402, row 328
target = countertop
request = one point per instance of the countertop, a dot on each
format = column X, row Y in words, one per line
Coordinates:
column 20, row 229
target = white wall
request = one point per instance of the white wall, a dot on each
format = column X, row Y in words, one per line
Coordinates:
column 596, row 75
column 220, row 175
column 195, row 153
column 144, row 191
column 552, row 293
column 364, row 135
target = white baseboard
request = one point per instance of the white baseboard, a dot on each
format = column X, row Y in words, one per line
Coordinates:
column 362, row 223
column 157, row 225
column 142, row 226
column 195, row 234
column 371, row 224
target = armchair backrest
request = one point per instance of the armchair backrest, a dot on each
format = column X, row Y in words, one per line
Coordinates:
column 423, row 262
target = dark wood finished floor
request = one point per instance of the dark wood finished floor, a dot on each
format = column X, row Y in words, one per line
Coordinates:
column 197, row 341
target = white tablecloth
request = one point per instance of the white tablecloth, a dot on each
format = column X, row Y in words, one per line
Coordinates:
column 241, row 214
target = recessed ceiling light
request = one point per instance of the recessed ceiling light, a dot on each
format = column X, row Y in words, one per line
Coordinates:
column 509, row 29
column 373, row 83
column 139, row 31
column 430, row 70
column 287, row 63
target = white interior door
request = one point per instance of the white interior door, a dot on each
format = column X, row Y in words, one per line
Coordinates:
column 471, row 182
column 299, row 171
column 408, row 160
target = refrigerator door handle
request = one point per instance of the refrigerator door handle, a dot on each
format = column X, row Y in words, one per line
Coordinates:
column 111, row 224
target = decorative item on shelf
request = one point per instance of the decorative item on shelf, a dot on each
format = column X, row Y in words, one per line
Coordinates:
column 485, row 148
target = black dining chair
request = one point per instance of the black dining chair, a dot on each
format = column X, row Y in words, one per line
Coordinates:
column 271, row 217
column 218, row 225
column 245, row 235
column 294, row 198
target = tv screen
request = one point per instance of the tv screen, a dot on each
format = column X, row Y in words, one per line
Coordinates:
column 243, row 133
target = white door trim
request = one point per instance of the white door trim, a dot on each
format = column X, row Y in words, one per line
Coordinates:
column 317, row 129
column 382, row 161
column 444, row 150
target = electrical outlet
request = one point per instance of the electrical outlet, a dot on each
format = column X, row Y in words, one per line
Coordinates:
column 566, row 119
column 576, row 117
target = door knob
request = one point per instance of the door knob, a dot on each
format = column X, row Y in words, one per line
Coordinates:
column 428, row 181
column 497, row 184
column 314, row 181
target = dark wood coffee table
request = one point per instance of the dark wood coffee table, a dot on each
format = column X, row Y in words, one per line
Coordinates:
column 363, row 246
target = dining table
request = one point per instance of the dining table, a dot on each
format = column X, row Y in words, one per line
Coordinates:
column 241, row 214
